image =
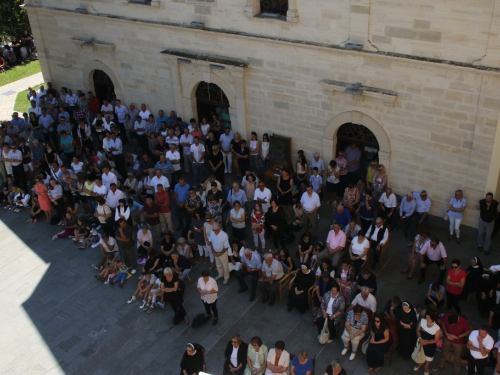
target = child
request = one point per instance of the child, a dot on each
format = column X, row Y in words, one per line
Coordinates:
column 93, row 237
column 21, row 200
column 10, row 197
column 108, row 270
column 143, row 287
column 153, row 293
column 69, row 227
column 121, row 274
column 234, row 259
column 318, row 248
column 80, row 231
column 317, row 182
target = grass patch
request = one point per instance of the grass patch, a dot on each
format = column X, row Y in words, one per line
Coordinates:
column 22, row 104
column 19, row 72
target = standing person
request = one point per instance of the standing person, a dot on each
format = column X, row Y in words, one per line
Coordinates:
column 185, row 141
column 421, row 217
column 418, row 243
column 43, row 198
column 251, row 265
column 197, row 152
column 219, row 245
column 433, row 252
column 379, row 182
column 480, row 344
column 264, row 153
column 388, row 205
column 237, row 219
column 162, row 199
column 262, row 195
column 216, row 162
column 407, row 325
column 285, row 188
column 276, row 221
column 353, row 157
column 192, row 360
column 225, row 145
column 125, row 238
column 258, row 220
column 366, row 210
column 342, row 164
column 254, row 149
column 208, row 289
column 455, row 285
column 458, row 204
column 405, row 212
column 380, row 341
column 332, row 182
column 429, row 333
column 488, row 211
column 243, row 155
column 172, row 294
column 151, row 212
column 455, row 329
column 235, row 356
column 310, row 204
column 181, row 192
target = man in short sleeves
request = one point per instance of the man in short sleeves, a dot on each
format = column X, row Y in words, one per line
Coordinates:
column 479, row 345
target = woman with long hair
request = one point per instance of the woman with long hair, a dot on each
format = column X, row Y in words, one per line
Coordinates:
column 332, row 182
column 258, row 219
column 379, row 182
column 380, row 341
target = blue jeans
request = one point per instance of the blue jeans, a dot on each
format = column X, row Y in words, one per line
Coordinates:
column 254, row 164
column 184, row 273
column 122, row 276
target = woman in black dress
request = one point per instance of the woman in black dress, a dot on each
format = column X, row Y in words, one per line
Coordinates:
column 299, row 291
column 407, row 325
column 335, row 368
column 192, row 360
column 287, row 262
column 485, row 293
column 276, row 222
column 380, row 342
column 172, row 294
column 285, row 188
column 429, row 333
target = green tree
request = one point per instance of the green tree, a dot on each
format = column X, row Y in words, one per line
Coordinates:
column 13, row 18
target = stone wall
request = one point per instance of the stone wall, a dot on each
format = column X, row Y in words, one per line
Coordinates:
column 440, row 127
column 458, row 30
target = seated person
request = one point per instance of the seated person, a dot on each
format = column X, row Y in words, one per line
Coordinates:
column 355, row 329
column 435, row 295
column 368, row 279
column 144, row 284
column 179, row 264
column 342, row 216
column 365, row 299
column 301, row 364
column 323, row 285
column 351, row 230
column 183, row 248
column 392, row 308
column 233, row 254
column 121, row 274
column 299, row 291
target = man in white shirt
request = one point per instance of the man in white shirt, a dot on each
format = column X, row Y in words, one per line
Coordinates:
column 159, row 178
column 106, row 108
column 174, row 157
column 120, row 111
column 364, row 299
column 108, row 177
column 263, row 195
column 113, row 196
column 272, row 272
column 15, row 157
column 144, row 113
column 388, row 204
column 71, row 99
column 185, row 142
column 100, row 190
column 35, row 109
column 107, row 123
column 310, row 204
column 115, row 146
column 225, row 145
column 378, row 235
column 479, row 345
column 219, row 245
column 197, row 151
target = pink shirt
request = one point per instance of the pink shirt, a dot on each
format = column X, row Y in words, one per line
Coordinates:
column 336, row 240
column 434, row 254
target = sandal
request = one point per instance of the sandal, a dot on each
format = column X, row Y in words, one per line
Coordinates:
column 403, row 272
column 458, row 240
column 409, row 277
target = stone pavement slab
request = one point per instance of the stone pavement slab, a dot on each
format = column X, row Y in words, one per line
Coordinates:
column 56, row 318
column 8, row 93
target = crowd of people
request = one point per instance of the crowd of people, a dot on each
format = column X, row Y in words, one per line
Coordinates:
column 118, row 178
column 17, row 51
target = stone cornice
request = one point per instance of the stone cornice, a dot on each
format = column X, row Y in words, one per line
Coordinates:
column 388, row 97
column 216, row 59
column 86, row 42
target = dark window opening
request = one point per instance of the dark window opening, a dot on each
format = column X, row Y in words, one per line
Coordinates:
column 273, row 8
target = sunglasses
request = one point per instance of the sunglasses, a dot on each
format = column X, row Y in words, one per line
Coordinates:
column 455, row 267
column 377, row 321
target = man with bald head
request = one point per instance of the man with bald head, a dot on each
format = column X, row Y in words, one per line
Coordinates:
column 405, row 213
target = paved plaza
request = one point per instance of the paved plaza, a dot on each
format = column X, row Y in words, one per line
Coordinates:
column 56, row 318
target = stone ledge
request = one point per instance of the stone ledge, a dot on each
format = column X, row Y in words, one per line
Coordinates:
column 91, row 42
column 217, row 59
column 388, row 97
column 152, row 3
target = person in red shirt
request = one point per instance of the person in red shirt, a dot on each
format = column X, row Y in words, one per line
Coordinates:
column 455, row 328
column 93, row 106
column 455, row 285
column 162, row 199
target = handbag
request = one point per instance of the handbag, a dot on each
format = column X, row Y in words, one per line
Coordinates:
column 446, row 217
column 324, row 336
column 418, row 354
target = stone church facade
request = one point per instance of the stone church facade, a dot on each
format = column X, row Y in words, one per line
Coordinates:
column 429, row 74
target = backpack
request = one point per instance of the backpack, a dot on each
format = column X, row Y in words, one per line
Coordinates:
column 199, row 320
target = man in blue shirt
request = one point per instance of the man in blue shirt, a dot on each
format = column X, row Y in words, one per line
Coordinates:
column 181, row 191
column 405, row 213
column 166, row 167
column 343, row 216
column 19, row 122
column 236, row 194
column 421, row 217
column 161, row 118
column 172, row 120
column 251, row 265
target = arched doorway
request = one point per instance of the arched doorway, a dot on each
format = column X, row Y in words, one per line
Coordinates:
column 211, row 99
column 103, row 85
column 363, row 137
